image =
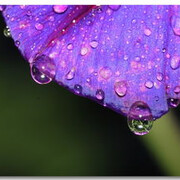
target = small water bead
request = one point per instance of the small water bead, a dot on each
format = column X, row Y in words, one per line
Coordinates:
column 94, row 44
column 120, row 88
column 159, row 76
column 149, row 84
column 84, row 51
column 60, row 8
column 173, row 102
column 17, row 43
column 2, row 7
column 175, row 62
column 39, row 26
column 70, row 75
column 164, row 50
column 7, row 32
column 175, row 24
column 100, row 94
column 140, row 119
column 114, row 7
column 177, row 90
column 78, row 89
column 147, row 32
column 70, row 46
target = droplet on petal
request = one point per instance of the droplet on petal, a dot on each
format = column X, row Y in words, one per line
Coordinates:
column 140, row 119
column 43, row 69
column 149, row 84
column 177, row 90
column 175, row 24
column 39, row 26
column 94, row 44
column 77, row 88
column 60, row 8
column 173, row 103
column 7, row 32
column 159, row 76
column 175, row 62
column 114, row 7
column 120, row 88
column 2, row 7
column 100, row 94
column 70, row 75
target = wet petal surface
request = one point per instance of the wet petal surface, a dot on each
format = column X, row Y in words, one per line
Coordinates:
column 115, row 55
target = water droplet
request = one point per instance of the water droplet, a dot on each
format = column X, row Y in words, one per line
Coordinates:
column 43, row 69
column 89, row 22
column 114, row 7
column 94, row 44
column 175, row 62
column 147, row 32
column 149, row 84
column 137, row 58
column 173, row 102
column 39, row 26
column 70, row 75
column 17, row 43
column 7, row 32
column 159, row 76
column 77, row 88
column 120, row 88
column 177, row 90
column 105, row 73
column 156, row 98
column 84, row 51
column 164, row 50
column 60, row 8
column 99, row 10
column 175, row 24
column 100, row 94
column 140, row 120
column 70, row 46
column 2, row 7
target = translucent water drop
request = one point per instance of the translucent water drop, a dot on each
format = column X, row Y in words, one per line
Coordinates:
column 77, row 88
column 175, row 62
column 39, row 26
column 114, row 7
column 159, row 76
column 43, row 69
column 100, row 94
column 94, row 44
column 120, row 88
column 177, row 90
column 7, row 32
column 140, row 119
column 2, row 7
column 149, row 84
column 173, row 102
column 17, row 43
column 70, row 75
column 70, row 46
column 147, row 32
column 175, row 24
column 60, row 8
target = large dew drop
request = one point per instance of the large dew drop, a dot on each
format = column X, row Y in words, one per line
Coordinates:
column 43, row 69
column 140, row 119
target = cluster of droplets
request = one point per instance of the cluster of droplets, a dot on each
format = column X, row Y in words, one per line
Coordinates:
column 140, row 119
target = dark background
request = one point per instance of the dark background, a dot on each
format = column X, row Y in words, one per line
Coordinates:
column 46, row 130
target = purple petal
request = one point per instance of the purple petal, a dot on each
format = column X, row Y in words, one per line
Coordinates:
column 115, row 55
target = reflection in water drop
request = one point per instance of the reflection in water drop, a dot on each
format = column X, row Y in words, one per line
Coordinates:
column 173, row 102
column 7, row 32
column 43, row 69
column 140, row 119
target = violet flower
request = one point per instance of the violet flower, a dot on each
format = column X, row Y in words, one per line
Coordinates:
column 126, row 58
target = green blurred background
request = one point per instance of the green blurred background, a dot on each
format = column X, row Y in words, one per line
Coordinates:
column 46, row 130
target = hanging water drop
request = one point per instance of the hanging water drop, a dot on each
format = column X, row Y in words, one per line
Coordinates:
column 173, row 103
column 7, row 32
column 100, row 94
column 77, row 88
column 43, row 69
column 140, row 119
